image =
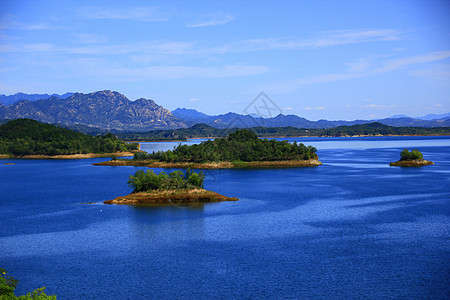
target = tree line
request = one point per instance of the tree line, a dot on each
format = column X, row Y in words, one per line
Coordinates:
column 413, row 155
column 147, row 181
column 29, row 137
column 241, row 145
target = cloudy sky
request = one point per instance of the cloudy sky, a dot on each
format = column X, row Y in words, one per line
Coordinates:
column 316, row 59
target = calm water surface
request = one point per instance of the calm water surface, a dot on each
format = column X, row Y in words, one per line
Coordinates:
column 351, row 228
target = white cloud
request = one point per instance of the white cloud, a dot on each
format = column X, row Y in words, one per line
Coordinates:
column 315, row 108
column 436, row 73
column 217, row 19
column 89, row 38
column 143, row 14
column 194, row 99
column 382, row 106
column 387, row 66
column 395, row 64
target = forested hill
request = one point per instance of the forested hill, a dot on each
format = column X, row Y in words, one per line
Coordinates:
column 30, row 137
column 206, row 131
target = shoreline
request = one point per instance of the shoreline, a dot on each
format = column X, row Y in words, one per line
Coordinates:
column 411, row 163
column 302, row 136
column 69, row 156
column 171, row 197
column 212, row 165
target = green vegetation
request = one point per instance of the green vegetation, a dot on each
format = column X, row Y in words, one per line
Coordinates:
column 242, row 145
column 206, row 131
column 8, row 284
column 405, row 155
column 150, row 181
column 29, row 137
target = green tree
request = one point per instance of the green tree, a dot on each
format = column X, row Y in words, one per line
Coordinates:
column 8, row 284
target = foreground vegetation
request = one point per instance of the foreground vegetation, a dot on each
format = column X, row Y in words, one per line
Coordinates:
column 174, row 188
column 29, row 137
column 242, row 145
column 8, row 285
column 411, row 159
column 206, row 131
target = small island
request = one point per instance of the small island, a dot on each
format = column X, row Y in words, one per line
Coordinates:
column 240, row 149
column 411, row 159
column 25, row 138
column 176, row 188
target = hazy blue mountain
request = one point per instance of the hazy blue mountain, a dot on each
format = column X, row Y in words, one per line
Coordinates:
column 8, row 100
column 189, row 114
column 231, row 120
column 398, row 116
column 435, row 117
column 428, row 117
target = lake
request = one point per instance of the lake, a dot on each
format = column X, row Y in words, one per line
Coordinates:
column 351, row 228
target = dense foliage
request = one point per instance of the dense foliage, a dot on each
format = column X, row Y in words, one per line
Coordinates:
column 29, row 137
column 413, row 155
column 206, row 131
column 8, row 284
column 145, row 181
column 242, row 145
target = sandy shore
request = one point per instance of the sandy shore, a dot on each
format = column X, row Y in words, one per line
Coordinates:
column 212, row 165
column 174, row 197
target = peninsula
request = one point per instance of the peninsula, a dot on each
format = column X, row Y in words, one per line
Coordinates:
column 240, row 149
column 411, row 159
column 176, row 188
column 25, row 138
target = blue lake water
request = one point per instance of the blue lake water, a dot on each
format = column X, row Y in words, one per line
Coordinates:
column 351, row 228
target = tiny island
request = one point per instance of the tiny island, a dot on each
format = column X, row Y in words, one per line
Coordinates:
column 240, row 149
column 176, row 188
column 411, row 159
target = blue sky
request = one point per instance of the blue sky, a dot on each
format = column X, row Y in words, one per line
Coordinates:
column 316, row 59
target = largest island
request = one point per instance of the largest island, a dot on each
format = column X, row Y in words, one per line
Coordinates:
column 239, row 149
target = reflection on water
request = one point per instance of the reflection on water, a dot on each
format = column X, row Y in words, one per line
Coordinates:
column 351, row 228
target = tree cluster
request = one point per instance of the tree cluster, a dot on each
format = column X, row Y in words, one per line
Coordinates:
column 146, row 181
column 413, row 155
column 242, row 145
column 8, row 285
column 30, row 137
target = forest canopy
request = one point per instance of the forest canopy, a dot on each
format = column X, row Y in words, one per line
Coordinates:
column 242, row 145
column 29, row 137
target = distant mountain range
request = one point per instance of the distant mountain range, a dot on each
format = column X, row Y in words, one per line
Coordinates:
column 229, row 120
column 428, row 117
column 8, row 100
column 112, row 111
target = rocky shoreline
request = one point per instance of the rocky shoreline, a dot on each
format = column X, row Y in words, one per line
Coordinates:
column 174, row 197
column 212, row 165
column 411, row 163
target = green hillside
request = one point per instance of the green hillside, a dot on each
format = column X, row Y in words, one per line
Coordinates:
column 29, row 137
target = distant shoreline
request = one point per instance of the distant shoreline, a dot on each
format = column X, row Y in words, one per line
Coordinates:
column 283, row 137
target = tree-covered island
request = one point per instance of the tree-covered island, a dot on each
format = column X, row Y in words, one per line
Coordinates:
column 31, row 139
column 176, row 188
column 411, row 159
column 239, row 149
